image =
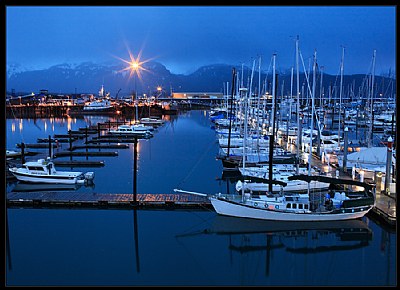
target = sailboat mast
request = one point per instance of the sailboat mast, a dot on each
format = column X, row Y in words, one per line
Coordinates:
column 258, row 103
column 312, row 113
column 245, row 102
column 371, row 101
column 298, row 108
column 230, row 111
column 271, row 135
column 340, row 93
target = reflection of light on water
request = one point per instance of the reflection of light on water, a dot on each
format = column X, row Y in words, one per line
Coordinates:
column 13, row 127
column 45, row 126
column 21, row 127
column 137, row 146
column 69, row 121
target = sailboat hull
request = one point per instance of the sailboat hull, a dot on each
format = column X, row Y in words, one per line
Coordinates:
column 261, row 210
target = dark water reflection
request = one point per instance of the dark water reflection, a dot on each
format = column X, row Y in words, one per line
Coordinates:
column 159, row 247
column 95, row 247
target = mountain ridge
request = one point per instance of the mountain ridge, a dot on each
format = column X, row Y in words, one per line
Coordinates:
column 88, row 77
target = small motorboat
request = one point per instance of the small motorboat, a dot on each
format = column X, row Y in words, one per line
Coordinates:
column 130, row 130
column 43, row 171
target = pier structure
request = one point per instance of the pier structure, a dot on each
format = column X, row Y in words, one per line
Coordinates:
column 46, row 110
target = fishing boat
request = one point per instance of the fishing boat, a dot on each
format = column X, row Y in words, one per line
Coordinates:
column 43, row 171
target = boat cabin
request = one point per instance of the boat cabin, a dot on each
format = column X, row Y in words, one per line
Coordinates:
column 297, row 203
column 42, row 166
column 124, row 129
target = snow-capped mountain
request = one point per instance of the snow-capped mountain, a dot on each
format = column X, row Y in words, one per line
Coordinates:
column 87, row 77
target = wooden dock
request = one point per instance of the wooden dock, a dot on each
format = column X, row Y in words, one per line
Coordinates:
column 89, row 153
column 79, row 163
column 100, row 146
column 110, row 200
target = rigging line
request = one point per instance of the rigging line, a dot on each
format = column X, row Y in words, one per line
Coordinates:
column 305, row 73
column 197, row 163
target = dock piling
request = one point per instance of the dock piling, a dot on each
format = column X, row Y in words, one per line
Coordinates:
column 135, row 172
column 50, row 155
column 22, row 152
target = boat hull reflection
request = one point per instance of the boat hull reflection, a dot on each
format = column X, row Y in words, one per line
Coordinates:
column 32, row 187
column 234, row 225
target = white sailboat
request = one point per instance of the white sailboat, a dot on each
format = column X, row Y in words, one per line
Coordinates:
column 258, row 180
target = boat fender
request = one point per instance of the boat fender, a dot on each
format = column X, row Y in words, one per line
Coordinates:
column 276, row 206
column 255, row 204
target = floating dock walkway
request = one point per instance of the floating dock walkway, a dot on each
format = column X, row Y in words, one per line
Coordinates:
column 105, row 200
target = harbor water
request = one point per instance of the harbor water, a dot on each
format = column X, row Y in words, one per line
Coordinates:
column 177, row 247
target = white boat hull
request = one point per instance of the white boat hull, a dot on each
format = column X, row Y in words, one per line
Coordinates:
column 61, row 179
column 231, row 208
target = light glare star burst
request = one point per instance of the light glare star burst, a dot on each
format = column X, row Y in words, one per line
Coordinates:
column 135, row 65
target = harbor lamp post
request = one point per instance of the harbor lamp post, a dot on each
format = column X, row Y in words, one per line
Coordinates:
column 159, row 92
column 135, row 66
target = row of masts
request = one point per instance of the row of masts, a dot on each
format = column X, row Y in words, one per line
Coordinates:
column 339, row 107
column 246, row 108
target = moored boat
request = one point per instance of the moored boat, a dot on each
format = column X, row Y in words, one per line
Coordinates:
column 151, row 121
column 43, row 171
column 98, row 106
column 12, row 154
column 131, row 130
column 334, row 204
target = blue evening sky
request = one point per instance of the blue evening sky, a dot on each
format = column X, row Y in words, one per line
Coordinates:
column 183, row 38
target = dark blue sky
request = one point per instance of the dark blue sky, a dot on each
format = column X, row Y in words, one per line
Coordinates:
column 185, row 38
